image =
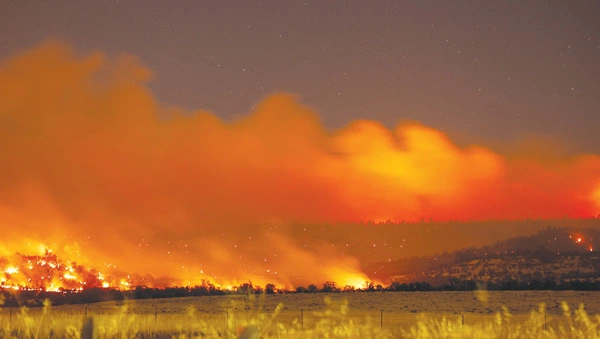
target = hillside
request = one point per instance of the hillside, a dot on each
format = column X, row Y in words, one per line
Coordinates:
column 552, row 254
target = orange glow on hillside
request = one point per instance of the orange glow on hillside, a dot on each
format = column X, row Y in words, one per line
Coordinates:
column 92, row 166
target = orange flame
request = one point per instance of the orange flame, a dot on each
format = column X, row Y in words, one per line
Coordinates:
column 94, row 167
column 45, row 272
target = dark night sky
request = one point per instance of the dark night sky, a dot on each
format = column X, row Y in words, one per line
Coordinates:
column 490, row 70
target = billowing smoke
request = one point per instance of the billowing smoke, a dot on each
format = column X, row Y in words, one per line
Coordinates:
column 94, row 168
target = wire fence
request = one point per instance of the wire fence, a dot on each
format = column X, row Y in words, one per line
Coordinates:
column 186, row 316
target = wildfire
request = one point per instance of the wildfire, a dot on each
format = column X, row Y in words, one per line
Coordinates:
column 93, row 164
column 48, row 273
column 355, row 281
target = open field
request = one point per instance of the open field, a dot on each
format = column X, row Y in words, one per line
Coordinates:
column 501, row 314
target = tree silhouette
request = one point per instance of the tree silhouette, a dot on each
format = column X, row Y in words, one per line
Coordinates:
column 329, row 286
column 270, row 289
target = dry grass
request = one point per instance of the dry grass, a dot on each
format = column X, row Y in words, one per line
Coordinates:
column 342, row 315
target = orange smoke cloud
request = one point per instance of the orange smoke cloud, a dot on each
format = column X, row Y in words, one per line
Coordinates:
column 93, row 167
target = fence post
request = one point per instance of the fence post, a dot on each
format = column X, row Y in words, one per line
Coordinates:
column 155, row 312
column 463, row 319
column 381, row 320
column 544, row 319
column 10, row 318
column 85, row 310
column 302, row 320
column 89, row 329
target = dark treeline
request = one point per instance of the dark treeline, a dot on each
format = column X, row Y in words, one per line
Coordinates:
column 36, row 298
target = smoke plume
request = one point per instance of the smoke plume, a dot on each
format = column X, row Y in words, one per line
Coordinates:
column 93, row 167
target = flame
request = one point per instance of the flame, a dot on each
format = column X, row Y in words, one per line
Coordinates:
column 356, row 281
column 45, row 272
column 92, row 167
column 11, row 270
